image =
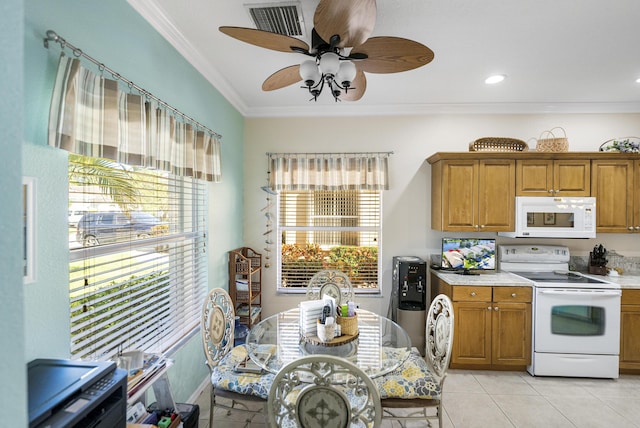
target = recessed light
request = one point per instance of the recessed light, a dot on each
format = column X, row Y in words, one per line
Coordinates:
column 638, row 80
column 492, row 80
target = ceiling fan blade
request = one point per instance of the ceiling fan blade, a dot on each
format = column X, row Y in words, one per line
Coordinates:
column 266, row 39
column 282, row 78
column 352, row 20
column 359, row 86
column 392, row 55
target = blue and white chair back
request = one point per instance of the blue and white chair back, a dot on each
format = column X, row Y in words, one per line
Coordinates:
column 320, row 391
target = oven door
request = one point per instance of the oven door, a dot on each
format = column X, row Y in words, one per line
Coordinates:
column 577, row 321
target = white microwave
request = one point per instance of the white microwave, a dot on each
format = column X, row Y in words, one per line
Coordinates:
column 554, row 217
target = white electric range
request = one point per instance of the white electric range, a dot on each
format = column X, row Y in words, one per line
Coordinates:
column 576, row 317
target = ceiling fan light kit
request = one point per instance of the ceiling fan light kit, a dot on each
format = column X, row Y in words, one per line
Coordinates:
column 310, row 73
column 330, row 70
column 338, row 26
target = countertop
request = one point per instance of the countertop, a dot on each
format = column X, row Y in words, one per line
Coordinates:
column 505, row 279
column 497, row 279
column 625, row 281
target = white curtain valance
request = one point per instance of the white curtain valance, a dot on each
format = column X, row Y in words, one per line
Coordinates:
column 328, row 171
column 92, row 116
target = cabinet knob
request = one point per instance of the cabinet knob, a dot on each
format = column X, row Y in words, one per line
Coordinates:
column 630, row 228
column 495, row 309
column 476, row 226
column 513, row 294
column 550, row 190
column 482, row 226
column 488, row 308
column 637, row 227
column 473, row 294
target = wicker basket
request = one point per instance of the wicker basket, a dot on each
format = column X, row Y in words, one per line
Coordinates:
column 551, row 143
column 624, row 145
column 348, row 325
column 498, row 144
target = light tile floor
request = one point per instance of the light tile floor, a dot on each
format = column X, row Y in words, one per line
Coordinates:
column 514, row 399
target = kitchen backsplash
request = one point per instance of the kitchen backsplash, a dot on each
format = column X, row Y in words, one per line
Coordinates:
column 629, row 265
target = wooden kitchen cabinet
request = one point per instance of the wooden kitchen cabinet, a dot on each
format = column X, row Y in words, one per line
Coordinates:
column 475, row 191
column 548, row 177
column 437, row 286
column 473, row 195
column 492, row 327
column 615, row 184
column 630, row 332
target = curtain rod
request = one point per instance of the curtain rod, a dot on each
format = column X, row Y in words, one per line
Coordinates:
column 331, row 153
column 54, row 37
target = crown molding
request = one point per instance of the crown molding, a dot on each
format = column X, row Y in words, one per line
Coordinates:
column 159, row 20
column 431, row 109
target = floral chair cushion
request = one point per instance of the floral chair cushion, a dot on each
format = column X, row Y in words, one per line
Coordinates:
column 411, row 380
column 225, row 376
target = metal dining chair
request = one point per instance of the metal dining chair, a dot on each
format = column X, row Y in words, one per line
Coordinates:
column 217, row 326
column 319, row 391
column 417, row 385
column 330, row 283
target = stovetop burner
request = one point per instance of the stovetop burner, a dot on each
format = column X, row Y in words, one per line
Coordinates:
column 563, row 278
column 560, row 277
column 548, row 267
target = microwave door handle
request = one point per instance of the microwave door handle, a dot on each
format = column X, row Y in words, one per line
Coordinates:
column 603, row 293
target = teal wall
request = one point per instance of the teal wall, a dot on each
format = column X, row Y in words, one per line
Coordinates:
column 13, row 390
column 116, row 35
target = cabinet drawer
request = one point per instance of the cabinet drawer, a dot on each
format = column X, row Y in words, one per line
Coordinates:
column 512, row 294
column 468, row 293
column 631, row 297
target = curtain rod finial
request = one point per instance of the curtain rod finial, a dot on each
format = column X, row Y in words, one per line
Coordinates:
column 51, row 36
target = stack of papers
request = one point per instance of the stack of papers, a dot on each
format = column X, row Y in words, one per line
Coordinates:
column 310, row 311
column 153, row 363
column 242, row 285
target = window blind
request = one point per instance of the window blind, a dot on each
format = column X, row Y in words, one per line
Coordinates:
column 329, row 229
column 135, row 284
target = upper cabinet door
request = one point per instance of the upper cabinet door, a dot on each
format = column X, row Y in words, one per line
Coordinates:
column 540, row 177
column 473, row 196
column 616, row 195
column 496, row 195
column 572, row 177
column 459, row 200
column 534, row 177
column 636, row 195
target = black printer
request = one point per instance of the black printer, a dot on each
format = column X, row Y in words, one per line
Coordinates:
column 75, row 394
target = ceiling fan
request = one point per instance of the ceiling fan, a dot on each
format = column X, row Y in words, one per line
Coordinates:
column 341, row 50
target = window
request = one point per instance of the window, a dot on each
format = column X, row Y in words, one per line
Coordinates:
column 329, row 229
column 137, row 273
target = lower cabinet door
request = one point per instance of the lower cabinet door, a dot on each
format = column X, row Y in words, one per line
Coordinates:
column 472, row 333
column 511, row 333
column 629, row 337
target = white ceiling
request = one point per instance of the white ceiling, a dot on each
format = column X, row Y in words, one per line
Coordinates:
column 559, row 56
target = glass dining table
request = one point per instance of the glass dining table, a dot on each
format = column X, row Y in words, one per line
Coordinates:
column 380, row 346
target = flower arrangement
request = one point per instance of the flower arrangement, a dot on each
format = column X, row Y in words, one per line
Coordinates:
column 628, row 145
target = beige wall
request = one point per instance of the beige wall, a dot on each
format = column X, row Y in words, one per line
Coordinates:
column 406, row 216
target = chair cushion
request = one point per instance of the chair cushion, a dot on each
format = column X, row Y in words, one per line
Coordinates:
column 225, row 377
column 411, row 380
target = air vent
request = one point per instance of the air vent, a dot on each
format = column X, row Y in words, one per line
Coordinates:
column 282, row 18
